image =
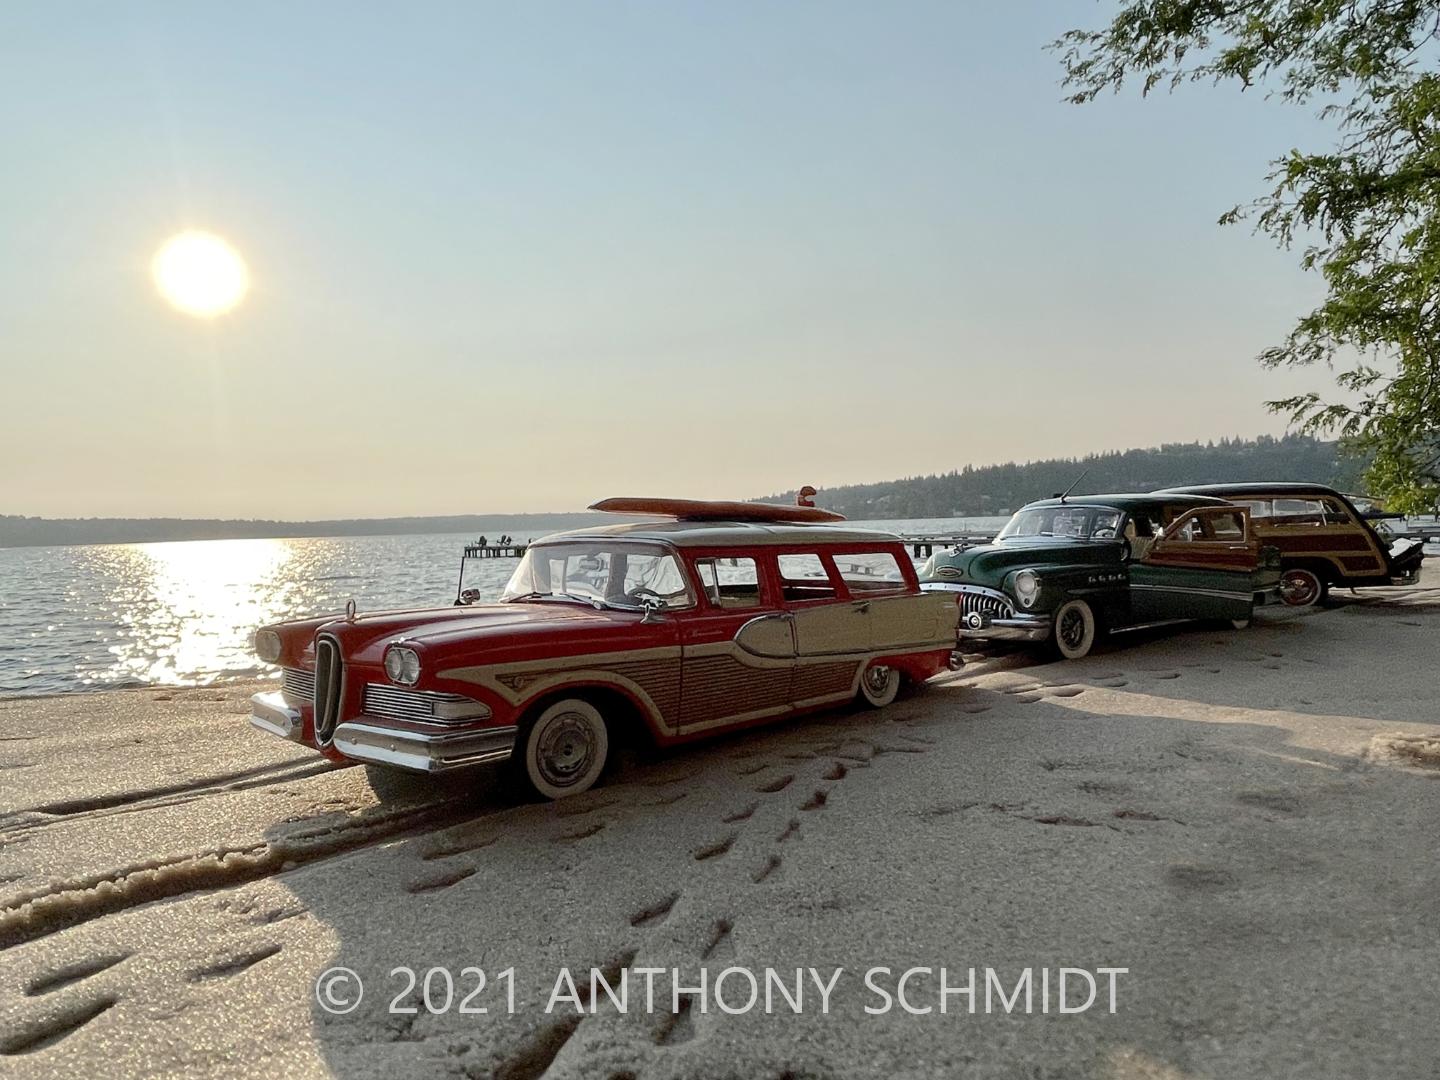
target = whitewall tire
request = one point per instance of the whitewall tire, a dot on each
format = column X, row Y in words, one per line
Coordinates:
column 1073, row 634
column 564, row 751
column 879, row 684
column 1240, row 624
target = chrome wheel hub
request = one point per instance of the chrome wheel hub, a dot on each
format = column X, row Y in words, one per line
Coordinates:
column 567, row 747
column 1298, row 589
column 877, row 678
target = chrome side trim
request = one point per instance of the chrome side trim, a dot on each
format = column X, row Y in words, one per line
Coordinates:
column 421, row 751
column 270, row 713
column 1198, row 592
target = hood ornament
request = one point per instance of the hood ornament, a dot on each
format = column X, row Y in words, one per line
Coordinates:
column 350, row 610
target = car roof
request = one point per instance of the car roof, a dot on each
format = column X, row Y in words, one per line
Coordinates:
column 1132, row 501
column 726, row 534
column 1257, row 488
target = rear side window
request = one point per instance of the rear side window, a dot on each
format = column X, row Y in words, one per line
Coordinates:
column 803, row 577
column 730, row 583
column 870, row 572
column 1298, row 512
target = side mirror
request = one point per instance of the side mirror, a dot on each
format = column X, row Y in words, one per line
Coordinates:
column 652, row 608
column 468, row 596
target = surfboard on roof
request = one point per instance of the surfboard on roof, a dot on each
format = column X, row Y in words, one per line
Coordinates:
column 711, row 510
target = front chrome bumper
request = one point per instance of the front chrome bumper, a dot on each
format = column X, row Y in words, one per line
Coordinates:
column 270, row 713
column 402, row 746
column 979, row 627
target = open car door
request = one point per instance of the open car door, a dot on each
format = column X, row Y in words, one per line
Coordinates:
column 1203, row 567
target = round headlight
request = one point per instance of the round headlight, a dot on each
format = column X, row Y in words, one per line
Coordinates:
column 409, row 667
column 402, row 665
column 1027, row 587
column 267, row 645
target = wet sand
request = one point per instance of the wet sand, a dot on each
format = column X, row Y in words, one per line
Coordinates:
column 1244, row 820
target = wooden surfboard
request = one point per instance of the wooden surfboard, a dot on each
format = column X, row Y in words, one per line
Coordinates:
column 703, row 510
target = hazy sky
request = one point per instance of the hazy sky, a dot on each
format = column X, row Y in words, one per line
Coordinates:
column 525, row 256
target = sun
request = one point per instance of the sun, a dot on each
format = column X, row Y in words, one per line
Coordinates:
column 200, row 274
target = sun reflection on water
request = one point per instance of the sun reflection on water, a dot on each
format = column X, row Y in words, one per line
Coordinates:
column 183, row 613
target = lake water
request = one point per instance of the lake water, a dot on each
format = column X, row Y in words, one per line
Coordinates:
column 122, row 615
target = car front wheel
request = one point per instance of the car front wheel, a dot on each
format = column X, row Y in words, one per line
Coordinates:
column 564, row 751
column 1074, row 631
column 879, row 685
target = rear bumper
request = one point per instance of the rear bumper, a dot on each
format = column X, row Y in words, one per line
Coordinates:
column 271, row 714
column 980, row 627
column 386, row 742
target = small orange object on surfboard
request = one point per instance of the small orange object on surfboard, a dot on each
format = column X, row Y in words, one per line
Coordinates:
column 705, row 510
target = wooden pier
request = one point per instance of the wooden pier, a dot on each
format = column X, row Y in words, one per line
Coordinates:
column 922, row 547
column 495, row 551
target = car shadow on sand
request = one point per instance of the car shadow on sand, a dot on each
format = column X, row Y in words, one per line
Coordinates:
column 1264, row 897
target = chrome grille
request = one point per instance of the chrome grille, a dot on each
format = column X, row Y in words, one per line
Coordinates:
column 997, row 607
column 397, row 703
column 329, row 681
column 297, row 686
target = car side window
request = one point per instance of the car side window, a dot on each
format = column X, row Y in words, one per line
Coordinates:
column 868, row 572
column 1335, row 513
column 803, row 577
column 1228, row 527
column 730, row 583
column 1224, row 528
column 1298, row 512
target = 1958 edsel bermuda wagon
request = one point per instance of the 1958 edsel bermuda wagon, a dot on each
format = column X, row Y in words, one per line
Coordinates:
column 1063, row 570
column 676, row 629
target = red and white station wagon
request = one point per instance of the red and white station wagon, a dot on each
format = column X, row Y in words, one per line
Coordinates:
column 728, row 615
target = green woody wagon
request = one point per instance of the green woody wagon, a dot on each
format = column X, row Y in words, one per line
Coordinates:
column 1066, row 570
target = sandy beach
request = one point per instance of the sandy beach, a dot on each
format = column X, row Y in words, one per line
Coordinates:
column 1243, row 821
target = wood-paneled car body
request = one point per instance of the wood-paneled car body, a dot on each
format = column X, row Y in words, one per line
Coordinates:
column 1064, row 570
column 1322, row 538
column 679, row 629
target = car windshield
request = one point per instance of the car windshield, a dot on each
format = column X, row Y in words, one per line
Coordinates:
column 1074, row 522
column 608, row 573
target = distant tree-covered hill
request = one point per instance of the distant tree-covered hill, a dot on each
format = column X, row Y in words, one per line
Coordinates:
column 967, row 492
column 973, row 491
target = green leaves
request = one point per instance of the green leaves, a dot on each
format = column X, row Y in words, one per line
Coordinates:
column 1367, row 209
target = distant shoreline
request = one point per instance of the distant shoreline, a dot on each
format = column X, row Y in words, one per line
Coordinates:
column 21, row 532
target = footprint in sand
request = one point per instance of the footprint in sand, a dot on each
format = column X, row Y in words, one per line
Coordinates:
column 741, row 815
column 579, row 834
column 816, row 801
column 655, row 914
column 55, row 1027
column 233, row 965
column 719, row 946
column 715, row 850
column 441, row 880
column 778, row 784
column 768, row 867
column 70, row 974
